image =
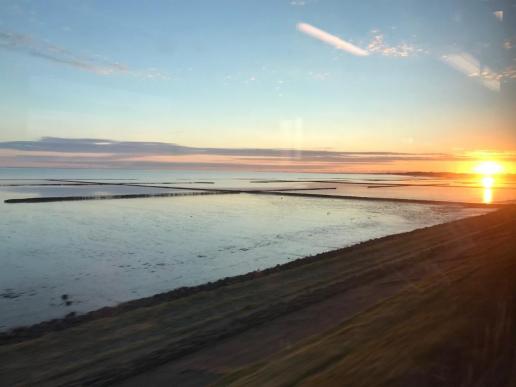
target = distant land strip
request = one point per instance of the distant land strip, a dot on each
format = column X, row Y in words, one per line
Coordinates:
column 383, row 184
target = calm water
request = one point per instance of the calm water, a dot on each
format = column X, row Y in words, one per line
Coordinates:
column 106, row 252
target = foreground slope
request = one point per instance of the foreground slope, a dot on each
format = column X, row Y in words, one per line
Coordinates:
column 456, row 327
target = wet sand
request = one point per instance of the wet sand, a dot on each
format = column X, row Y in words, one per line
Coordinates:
column 435, row 306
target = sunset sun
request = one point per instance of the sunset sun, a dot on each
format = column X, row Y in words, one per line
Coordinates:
column 488, row 168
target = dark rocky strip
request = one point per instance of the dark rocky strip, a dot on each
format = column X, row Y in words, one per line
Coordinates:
column 108, row 197
column 48, row 184
column 394, row 200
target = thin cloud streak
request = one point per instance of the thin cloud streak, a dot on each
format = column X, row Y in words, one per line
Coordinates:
column 330, row 39
column 102, row 153
column 44, row 50
column 137, row 148
column 402, row 50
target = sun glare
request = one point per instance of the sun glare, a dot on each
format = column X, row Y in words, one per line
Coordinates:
column 487, row 181
column 488, row 168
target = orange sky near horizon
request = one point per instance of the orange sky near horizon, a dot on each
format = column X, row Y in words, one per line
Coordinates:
column 290, row 160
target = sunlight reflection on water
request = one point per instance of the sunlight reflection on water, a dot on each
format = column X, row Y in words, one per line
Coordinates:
column 488, row 195
column 487, row 183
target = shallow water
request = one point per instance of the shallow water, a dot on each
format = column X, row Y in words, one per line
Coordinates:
column 417, row 192
column 459, row 189
column 102, row 253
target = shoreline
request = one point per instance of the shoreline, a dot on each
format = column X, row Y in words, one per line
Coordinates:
column 160, row 323
column 19, row 334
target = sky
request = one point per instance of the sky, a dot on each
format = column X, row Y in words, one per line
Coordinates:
column 300, row 85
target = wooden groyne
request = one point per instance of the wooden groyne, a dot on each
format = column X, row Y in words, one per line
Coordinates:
column 110, row 197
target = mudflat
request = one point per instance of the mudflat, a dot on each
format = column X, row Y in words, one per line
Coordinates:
column 435, row 306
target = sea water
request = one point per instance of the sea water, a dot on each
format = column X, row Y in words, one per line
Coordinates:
column 64, row 257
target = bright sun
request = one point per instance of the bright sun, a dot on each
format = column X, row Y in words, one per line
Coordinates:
column 488, row 168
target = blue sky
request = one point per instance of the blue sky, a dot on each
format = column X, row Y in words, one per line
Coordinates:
column 436, row 76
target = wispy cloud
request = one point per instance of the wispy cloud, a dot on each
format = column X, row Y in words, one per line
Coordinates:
column 42, row 49
column 509, row 73
column 103, row 146
column 463, row 62
column 377, row 45
column 301, row 3
column 319, row 75
column 332, row 40
column 470, row 66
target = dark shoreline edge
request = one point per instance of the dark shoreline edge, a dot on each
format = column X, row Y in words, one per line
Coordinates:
column 20, row 334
